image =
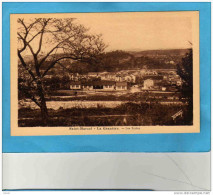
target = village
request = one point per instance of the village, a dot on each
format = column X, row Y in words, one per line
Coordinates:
column 117, row 96
column 132, row 80
column 163, row 85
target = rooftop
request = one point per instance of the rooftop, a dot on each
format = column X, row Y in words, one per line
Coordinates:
column 153, row 77
column 121, row 83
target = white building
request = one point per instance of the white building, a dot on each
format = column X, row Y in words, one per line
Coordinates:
column 120, row 86
column 75, row 85
column 148, row 83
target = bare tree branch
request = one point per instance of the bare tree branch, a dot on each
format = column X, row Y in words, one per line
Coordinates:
column 68, row 39
column 26, row 44
column 25, row 66
column 52, row 50
column 54, row 62
column 45, row 22
column 29, row 95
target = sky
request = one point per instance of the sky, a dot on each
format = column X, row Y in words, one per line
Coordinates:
column 140, row 31
column 135, row 31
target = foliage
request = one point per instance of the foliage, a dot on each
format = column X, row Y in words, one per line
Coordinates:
column 185, row 71
column 128, row 114
column 49, row 41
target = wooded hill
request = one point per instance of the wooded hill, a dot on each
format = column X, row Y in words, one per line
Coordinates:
column 122, row 60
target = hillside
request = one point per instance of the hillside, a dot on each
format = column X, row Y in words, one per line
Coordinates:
column 167, row 52
column 122, row 60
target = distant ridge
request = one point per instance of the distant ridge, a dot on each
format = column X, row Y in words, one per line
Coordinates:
column 122, row 60
column 138, row 53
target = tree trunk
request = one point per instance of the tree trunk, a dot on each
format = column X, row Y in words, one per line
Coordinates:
column 44, row 112
column 43, row 106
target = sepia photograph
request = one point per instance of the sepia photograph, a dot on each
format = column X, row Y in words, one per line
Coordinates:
column 105, row 73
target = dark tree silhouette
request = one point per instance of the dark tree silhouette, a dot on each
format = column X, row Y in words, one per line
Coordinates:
column 185, row 71
column 46, row 42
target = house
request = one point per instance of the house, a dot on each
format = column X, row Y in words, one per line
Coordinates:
column 165, row 77
column 93, row 74
column 118, row 78
column 151, row 72
column 74, row 76
column 153, row 81
column 99, row 85
column 111, row 76
column 104, row 85
column 108, row 76
column 120, row 86
column 142, row 72
column 108, row 85
column 148, row 83
column 130, row 78
column 75, row 85
column 163, row 88
column 87, row 86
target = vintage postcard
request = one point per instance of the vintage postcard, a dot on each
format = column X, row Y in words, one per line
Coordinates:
column 104, row 73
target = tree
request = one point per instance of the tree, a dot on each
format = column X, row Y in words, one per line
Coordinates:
column 185, row 71
column 44, row 42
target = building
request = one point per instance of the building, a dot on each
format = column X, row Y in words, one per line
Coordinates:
column 99, row 85
column 87, row 86
column 148, row 83
column 151, row 72
column 108, row 76
column 75, row 85
column 130, row 78
column 120, row 86
column 152, row 82
column 163, row 88
column 108, row 85
column 74, row 76
column 104, row 85
column 93, row 74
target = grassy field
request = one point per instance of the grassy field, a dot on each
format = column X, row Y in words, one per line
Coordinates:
column 111, row 96
column 128, row 114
